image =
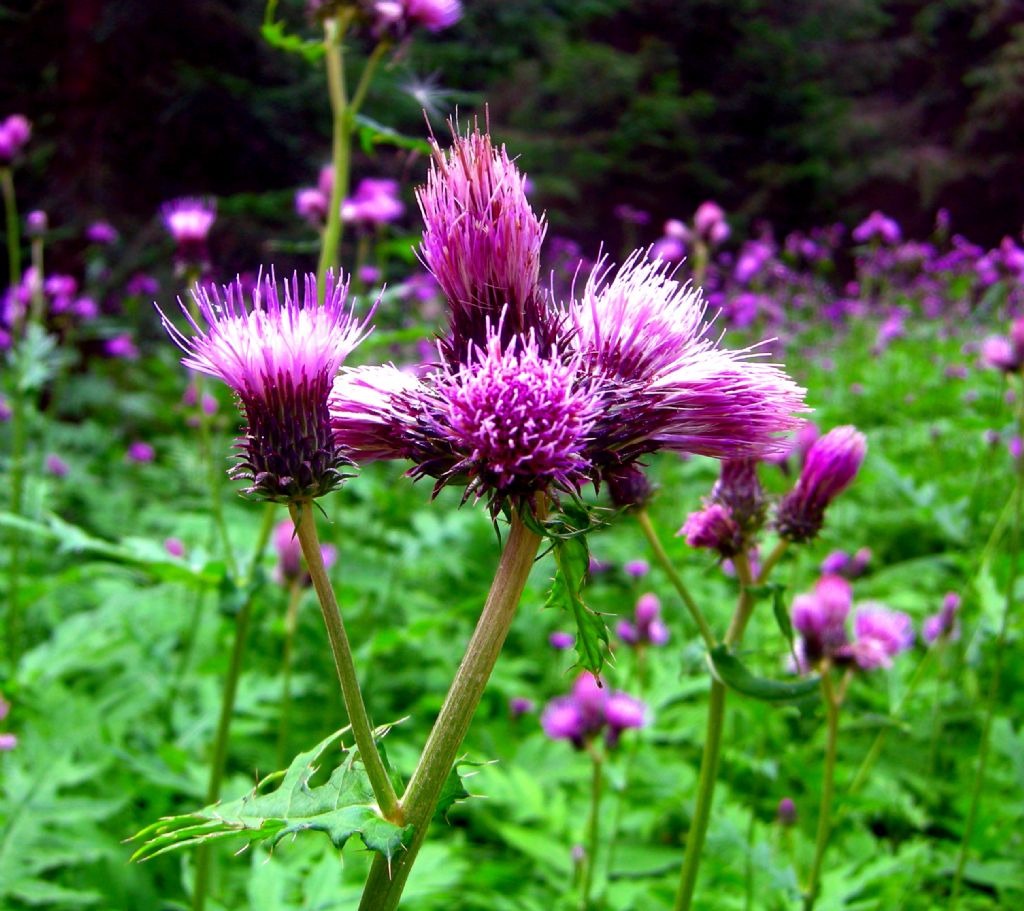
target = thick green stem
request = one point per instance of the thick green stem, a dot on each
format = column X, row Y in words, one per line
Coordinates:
column 997, row 670
column 13, row 234
column 387, row 880
column 644, row 519
column 593, row 829
column 290, row 622
column 362, row 729
column 832, row 702
column 341, row 135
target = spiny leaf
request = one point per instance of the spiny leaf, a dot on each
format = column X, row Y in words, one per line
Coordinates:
column 735, row 675
column 572, row 559
column 275, row 35
column 343, row 807
column 372, row 133
column 454, row 791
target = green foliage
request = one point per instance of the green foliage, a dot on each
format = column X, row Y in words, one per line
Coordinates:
column 735, row 675
column 342, row 807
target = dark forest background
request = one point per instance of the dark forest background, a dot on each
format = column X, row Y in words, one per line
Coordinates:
column 800, row 111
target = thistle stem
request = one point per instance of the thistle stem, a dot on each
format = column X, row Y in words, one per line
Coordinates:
column 387, row 880
column 997, row 670
column 593, row 828
column 334, row 35
column 832, row 703
column 362, row 730
column 644, row 520
column 713, row 744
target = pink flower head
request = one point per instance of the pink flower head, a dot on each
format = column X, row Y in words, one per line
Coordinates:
column 312, row 205
column 433, row 15
column 636, row 569
column 140, row 452
column 943, row 625
column 188, row 220
column 622, row 712
column 36, row 223
column 561, row 640
column 122, row 346
column 709, row 223
column 647, row 627
column 877, row 226
column 713, row 527
column 739, row 489
column 1000, row 353
column 280, row 356
column 520, row 705
column 562, row 719
column 15, row 131
column 102, row 233
column 831, row 465
column 375, row 202
column 175, row 547
column 8, row 742
column 879, row 635
column 481, row 241
column 643, row 334
column 55, row 465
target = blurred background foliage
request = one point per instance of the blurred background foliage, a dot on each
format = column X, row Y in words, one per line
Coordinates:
column 807, row 110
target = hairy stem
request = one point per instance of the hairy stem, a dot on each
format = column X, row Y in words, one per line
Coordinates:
column 644, row 520
column 832, row 703
column 593, row 829
column 362, row 729
column 386, row 881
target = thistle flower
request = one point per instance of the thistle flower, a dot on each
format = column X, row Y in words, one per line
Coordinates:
column 280, row 357
column 831, row 465
column 375, row 202
column 636, row 569
column 622, row 712
column 175, row 547
column 188, row 220
column 36, row 223
column 646, row 627
column 15, row 131
column 877, row 226
column 520, row 705
column 590, row 709
column 786, row 813
column 121, row 346
column 312, row 205
column 820, row 618
column 102, row 233
column 713, row 527
column 561, row 640
column 944, row 624
column 140, row 452
column 289, row 566
column 481, row 241
column 879, row 635
column 55, row 465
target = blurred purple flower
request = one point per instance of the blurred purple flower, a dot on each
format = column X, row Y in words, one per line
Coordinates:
column 55, row 465
column 15, row 132
column 122, row 346
column 140, row 452
column 877, row 226
column 101, row 233
column 375, row 202
column 175, row 547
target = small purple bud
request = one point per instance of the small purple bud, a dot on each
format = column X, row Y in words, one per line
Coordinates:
column 648, row 609
column 627, row 632
column 562, row 719
column 836, row 563
column 8, row 742
column 36, row 223
column 628, row 487
column 636, row 569
column 561, row 640
column 787, row 812
column 56, row 466
column 713, row 527
column 101, row 233
column 140, row 452
column 175, row 547
column 520, row 705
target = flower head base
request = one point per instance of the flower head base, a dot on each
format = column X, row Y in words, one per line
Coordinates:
column 280, row 356
column 188, row 220
column 739, row 488
column 481, row 241
column 831, row 465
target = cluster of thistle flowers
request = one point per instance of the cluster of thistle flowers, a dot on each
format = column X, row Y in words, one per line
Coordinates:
column 1005, row 352
column 782, row 285
column 590, row 710
column 879, row 634
column 375, row 202
column 737, row 509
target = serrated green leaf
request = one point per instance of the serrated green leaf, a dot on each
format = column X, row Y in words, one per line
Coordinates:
column 735, row 675
column 572, row 559
column 343, row 807
column 454, row 790
column 275, row 35
column 372, row 133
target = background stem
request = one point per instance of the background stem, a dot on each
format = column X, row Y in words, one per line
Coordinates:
column 593, row 829
column 386, row 881
column 13, row 234
column 362, row 729
column 827, row 789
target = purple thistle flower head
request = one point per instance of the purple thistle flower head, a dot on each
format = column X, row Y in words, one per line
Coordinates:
column 102, row 233
column 561, row 640
column 627, row 632
column 648, row 609
column 713, row 527
column 628, row 486
column 739, row 489
column 517, row 421
column 647, row 627
column 636, row 569
column 836, row 563
column 280, row 356
column 375, row 202
column 8, row 742
column 879, row 635
column 140, row 452
column 188, row 220
column 943, row 624
column 520, row 705
column 562, row 719
column 820, row 618
column 787, row 812
column 55, row 465
column 122, row 346
column 1000, row 353
column 481, row 241
column 831, row 465
column 622, row 712
column 643, row 335
column 311, row 204
column 15, row 131
column 36, row 223
column 175, row 547
column 709, row 223
column 877, row 226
